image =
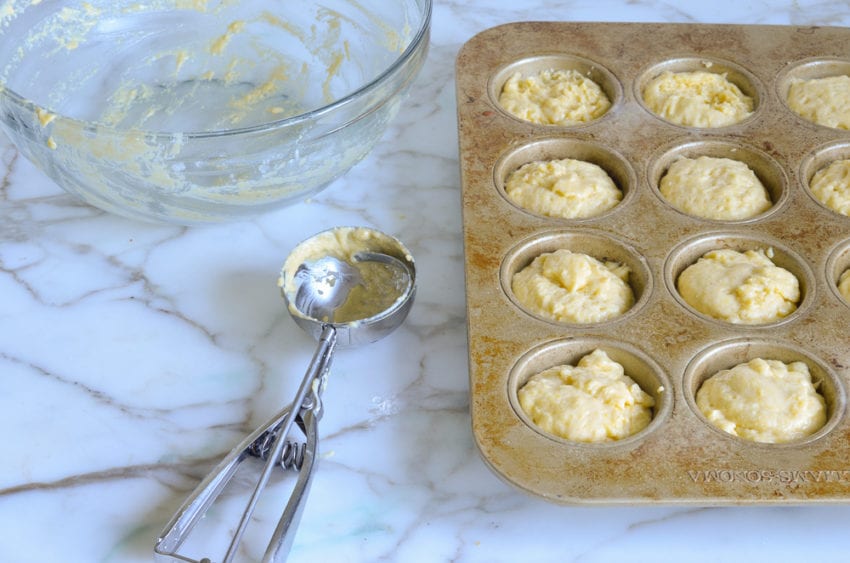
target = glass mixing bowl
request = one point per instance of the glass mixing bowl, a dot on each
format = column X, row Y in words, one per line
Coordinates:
column 191, row 111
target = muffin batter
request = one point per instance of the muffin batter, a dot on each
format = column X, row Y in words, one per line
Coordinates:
column 593, row 401
column 763, row 401
column 380, row 285
column 844, row 285
column 572, row 287
column 697, row 99
column 825, row 101
column 554, row 97
column 714, row 188
column 565, row 188
column 741, row 288
column 831, row 186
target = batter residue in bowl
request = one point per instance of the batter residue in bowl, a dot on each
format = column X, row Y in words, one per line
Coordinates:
column 233, row 69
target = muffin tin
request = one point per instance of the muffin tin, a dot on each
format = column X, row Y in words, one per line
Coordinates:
column 666, row 346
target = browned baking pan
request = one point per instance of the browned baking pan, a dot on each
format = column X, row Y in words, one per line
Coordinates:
column 667, row 347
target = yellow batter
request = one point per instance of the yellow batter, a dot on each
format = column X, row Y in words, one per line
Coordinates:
column 554, row 97
column 593, row 401
column 380, row 285
column 741, row 288
column 831, row 186
column 572, row 287
column 825, row 101
column 565, row 188
column 844, row 285
column 714, row 188
column 763, row 401
column 697, row 99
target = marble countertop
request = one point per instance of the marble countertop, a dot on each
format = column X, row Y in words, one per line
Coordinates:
column 134, row 356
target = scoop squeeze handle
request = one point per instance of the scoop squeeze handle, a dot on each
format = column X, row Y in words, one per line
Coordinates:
column 306, row 414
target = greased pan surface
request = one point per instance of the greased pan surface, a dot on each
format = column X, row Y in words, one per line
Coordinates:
column 668, row 348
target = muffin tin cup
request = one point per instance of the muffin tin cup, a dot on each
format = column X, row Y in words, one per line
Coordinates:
column 746, row 82
column 809, row 68
column 530, row 66
column 679, row 458
column 560, row 148
column 637, row 365
column 599, row 246
column 837, row 263
column 768, row 171
column 820, row 158
column 782, row 256
column 728, row 354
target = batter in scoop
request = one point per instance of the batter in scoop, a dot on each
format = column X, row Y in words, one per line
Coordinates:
column 344, row 243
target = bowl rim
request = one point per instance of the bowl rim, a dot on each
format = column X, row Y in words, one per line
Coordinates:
column 426, row 10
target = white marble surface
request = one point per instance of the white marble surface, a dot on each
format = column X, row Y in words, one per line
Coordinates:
column 134, row 356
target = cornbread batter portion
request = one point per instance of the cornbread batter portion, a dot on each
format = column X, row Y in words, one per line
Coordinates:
column 825, row 101
column 763, row 401
column 831, row 186
column 554, row 97
column 380, row 285
column 572, row 287
column 740, row 287
column 697, row 99
column 593, row 401
column 565, row 188
column 714, row 188
column 844, row 285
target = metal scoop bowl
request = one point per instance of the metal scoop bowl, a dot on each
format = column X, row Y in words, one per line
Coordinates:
column 344, row 286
